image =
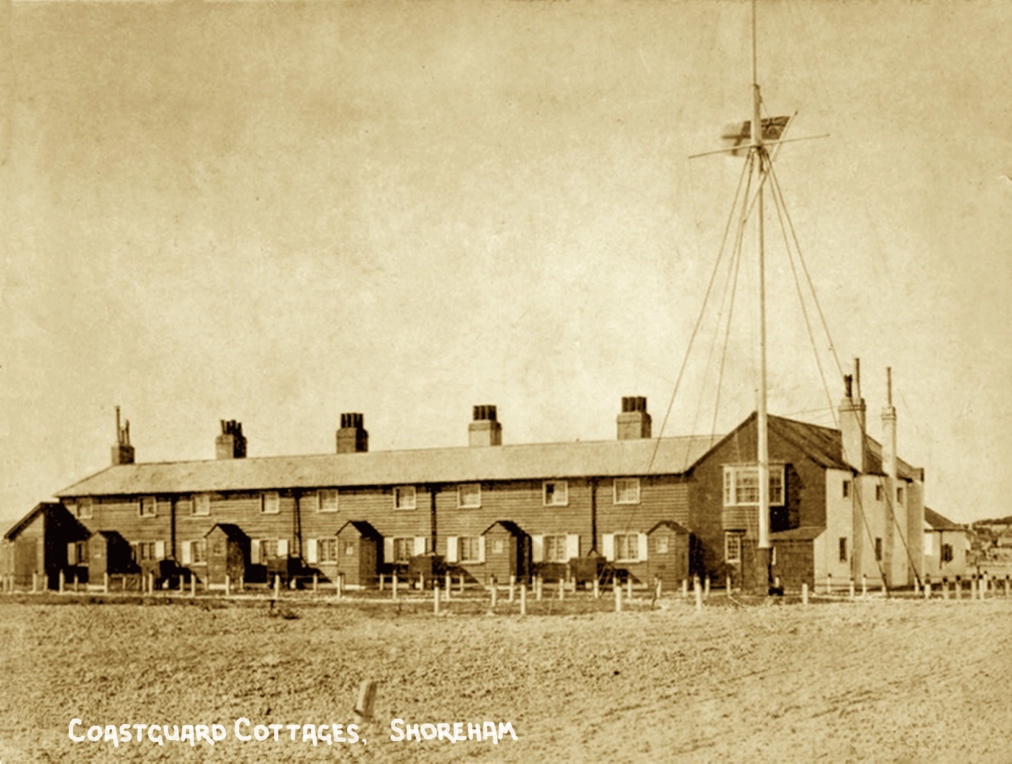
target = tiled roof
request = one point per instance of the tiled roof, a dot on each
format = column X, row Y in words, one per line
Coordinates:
column 435, row 465
column 939, row 522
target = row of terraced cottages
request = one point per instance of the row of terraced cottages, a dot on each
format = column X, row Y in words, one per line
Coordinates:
column 638, row 507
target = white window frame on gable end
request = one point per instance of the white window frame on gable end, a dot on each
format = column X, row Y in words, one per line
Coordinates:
column 327, row 500
column 741, row 485
column 270, row 503
column 405, row 497
column 147, row 506
column 555, row 493
column 626, row 491
column 469, row 496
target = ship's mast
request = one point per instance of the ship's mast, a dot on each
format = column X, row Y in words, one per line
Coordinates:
column 759, row 163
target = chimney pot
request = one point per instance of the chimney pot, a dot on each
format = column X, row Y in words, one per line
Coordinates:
column 231, row 444
column 352, row 438
column 484, row 429
column 634, row 422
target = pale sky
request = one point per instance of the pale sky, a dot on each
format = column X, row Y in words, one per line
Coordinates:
column 276, row 212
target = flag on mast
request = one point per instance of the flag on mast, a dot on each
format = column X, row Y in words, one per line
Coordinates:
column 738, row 135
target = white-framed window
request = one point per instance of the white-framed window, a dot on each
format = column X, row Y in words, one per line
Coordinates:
column 326, row 500
column 148, row 507
column 627, row 547
column 946, row 552
column 260, row 550
column 326, row 549
column 879, row 493
column 878, row 549
column 554, row 548
column 404, row 497
column 662, row 543
column 846, row 489
column 145, row 551
column 77, row 553
column 270, row 503
column 469, row 548
column 497, row 546
column 84, row 507
column 349, row 548
column 627, row 490
column 732, row 547
column 556, row 493
column 899, row 494
column 404, row 548
column 202, row 504
column 469, row 495
column 198, row 551
column 741, row 486
column 843, row 549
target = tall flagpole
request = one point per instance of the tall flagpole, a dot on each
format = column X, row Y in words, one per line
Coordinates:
column 763, row 557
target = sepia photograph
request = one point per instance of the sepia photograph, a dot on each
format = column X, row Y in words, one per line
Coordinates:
column 503, row 380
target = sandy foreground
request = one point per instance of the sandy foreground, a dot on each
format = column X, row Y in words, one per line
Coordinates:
column 843, row 681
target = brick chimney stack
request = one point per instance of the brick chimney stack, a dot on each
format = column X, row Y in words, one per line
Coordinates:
column 889, row 429
column 231, row 444
column 484, row 430
column 122, row 452
column 352, row 438
column 853, row 412
column 634, row 422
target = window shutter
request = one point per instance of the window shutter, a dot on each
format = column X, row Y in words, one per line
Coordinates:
column 187, row 554
column 420, row 544
column 572, row 545
column 451, row 548
column 608, row 546
column 481, row 549
column 311, row 555
column 388, row 549
column 537, row 548
column 642, row 541
column 254, row 552
column 71, row 553
column 159, row 550
column 282, row 547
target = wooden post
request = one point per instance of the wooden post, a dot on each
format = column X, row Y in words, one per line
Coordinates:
column 852, row 588
column 151, row 583
column 804, row 594
column 916, row 587
column 562, row 590
column 685, row 588
column 495, row 593
column 699, row 594
column 316, row 582
column 1006, row 585
column 727, row 586
column 35, row 581
column 927, row 590
column 393, row 585
column 105, row 583
column 76, row 585
column 421, row 582
column 193, row 586
column 340, row 585
column 597, row 589
column 829, row 583
column 179, row 584
column 435, row 600
column 628, row 588
column 945, row 588
column 523, row 599
column 984, row 582
column 292, row 583
column 277, row 587
column 618, row 598
column 45, row 582
column 706, row 590
column 366, row 700
column 449, row 585
column 461, row 583
column 864, row 585
column 513, row 583
column 973, row 587
column 958, row 587
column 382, row 576
column 659, row 585
column 62, row 580
column 228, row 585
column 537, row 588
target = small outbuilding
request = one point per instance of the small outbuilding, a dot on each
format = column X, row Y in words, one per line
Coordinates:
column 359, row 553
column 228, row 549
column 668, row 554
column 507, row 551
column 108, row 553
